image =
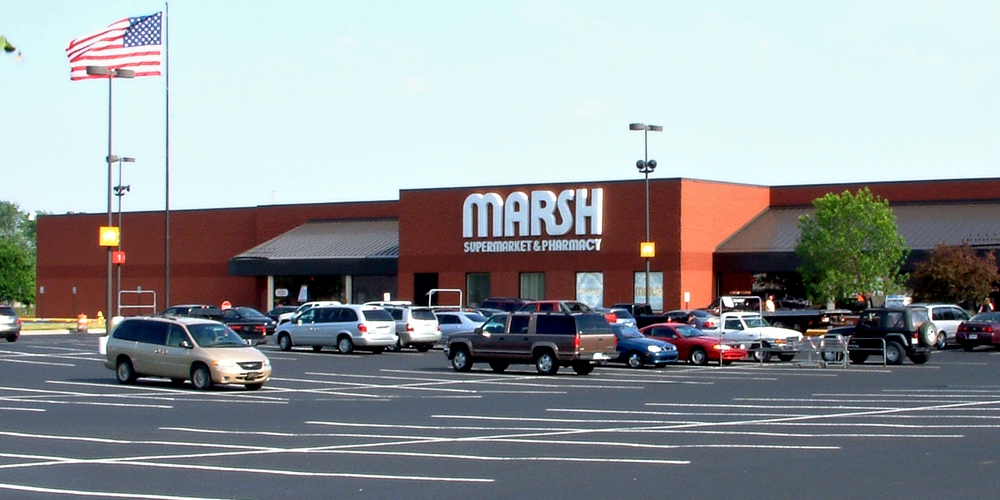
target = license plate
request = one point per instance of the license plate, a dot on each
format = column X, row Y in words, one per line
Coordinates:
column 973, row 336
column 252, row 375
column 601, row 355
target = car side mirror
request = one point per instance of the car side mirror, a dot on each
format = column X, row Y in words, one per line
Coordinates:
column 186, row 344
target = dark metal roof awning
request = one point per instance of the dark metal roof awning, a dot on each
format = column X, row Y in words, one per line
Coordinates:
column 362, row 247
column 767, row 243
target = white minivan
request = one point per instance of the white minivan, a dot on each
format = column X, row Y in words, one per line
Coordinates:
column 346, row 327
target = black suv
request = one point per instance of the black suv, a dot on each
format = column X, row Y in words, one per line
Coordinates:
column 907, row 332
column 10, row 323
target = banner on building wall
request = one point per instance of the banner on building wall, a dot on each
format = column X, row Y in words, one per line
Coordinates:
column 655, row 300
column 590, row 289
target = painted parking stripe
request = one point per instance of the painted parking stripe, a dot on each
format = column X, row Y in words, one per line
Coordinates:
column 98, row 494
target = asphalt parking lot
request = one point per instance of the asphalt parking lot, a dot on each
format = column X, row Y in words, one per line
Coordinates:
column 405, row 425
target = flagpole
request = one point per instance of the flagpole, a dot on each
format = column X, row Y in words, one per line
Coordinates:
column 166, row 212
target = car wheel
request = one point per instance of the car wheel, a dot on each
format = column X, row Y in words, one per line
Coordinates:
column 201, row 377
column 317, row 348
column 894, row 353
column 253, row 387
column 786, row 357
column 345, row 345
column 942, row 341
column 698, row 356
column 177, row 382
column 762, row 355
column 395, row 347
column 125, row 371
column 423, row 347
column 499, row 367
column 858, row 358
column 285, row 342
column 920, row 358
column 928, row 335
column 967, row 346
column 634, row 360
column 378, row 350
column 460, row 360
column 13, row 338
column 583, row 368
column 545, row 363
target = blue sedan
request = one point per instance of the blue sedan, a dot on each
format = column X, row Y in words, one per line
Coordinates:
column 636, row 350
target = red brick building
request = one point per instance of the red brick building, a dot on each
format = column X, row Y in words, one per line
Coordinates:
column 576, row 240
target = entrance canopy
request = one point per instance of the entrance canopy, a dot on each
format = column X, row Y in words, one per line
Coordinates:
column 767, row 243
column 359, row 247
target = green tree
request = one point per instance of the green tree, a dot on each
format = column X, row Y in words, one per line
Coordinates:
column 956, row 274
column 17, row 255
column 850, row 245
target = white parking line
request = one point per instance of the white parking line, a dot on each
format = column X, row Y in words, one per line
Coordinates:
column 100, row 494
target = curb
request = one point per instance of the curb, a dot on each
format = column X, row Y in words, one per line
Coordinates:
column 30, row 333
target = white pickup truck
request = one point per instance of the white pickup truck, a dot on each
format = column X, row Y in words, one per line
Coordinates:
column 752, row 331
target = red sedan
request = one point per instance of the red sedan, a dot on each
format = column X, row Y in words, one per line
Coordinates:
column 982, row 329
column 693, row 344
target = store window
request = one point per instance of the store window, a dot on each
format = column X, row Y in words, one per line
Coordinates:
column 655, row 300
column 590, row 288
column 477, row 288
column 533, row 286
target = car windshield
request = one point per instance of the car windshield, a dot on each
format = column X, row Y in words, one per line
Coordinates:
column 249, row 312
column 476, row 318
column 627, row 332
column 987, row 317
column 215, row 335
column 755, row 321
column 690, row 332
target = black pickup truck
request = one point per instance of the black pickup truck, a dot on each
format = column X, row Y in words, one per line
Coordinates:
column 248, row 322
column 903, row 332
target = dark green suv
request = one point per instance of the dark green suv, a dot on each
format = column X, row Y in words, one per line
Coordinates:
column 898, row 332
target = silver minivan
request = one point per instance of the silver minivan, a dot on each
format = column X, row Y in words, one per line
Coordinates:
column 346, row 327
column 203, row 351
column 416, row 327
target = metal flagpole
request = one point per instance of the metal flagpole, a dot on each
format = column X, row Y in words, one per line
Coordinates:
column 166, row 212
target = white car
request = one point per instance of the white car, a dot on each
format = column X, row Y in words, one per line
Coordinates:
column 285, row 317
column 347, row 327
column 946, row 318
column 416, row 327
column 453, row 322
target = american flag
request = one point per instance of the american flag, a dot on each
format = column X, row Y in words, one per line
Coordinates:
column 132, row 43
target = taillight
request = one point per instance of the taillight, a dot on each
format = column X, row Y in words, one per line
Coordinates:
column 989, row 329
column 409, row 327
column 362, row 328
column 576, row 342
column 261, row 329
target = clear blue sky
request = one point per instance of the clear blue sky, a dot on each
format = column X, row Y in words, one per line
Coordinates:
column 306, row 102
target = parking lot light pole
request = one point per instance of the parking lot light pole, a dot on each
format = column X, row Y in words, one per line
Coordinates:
column 111, row 74
column 646, row 166
column 120, row 191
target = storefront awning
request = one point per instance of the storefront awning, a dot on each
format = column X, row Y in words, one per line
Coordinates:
column 767, row 243
column 361, row 247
